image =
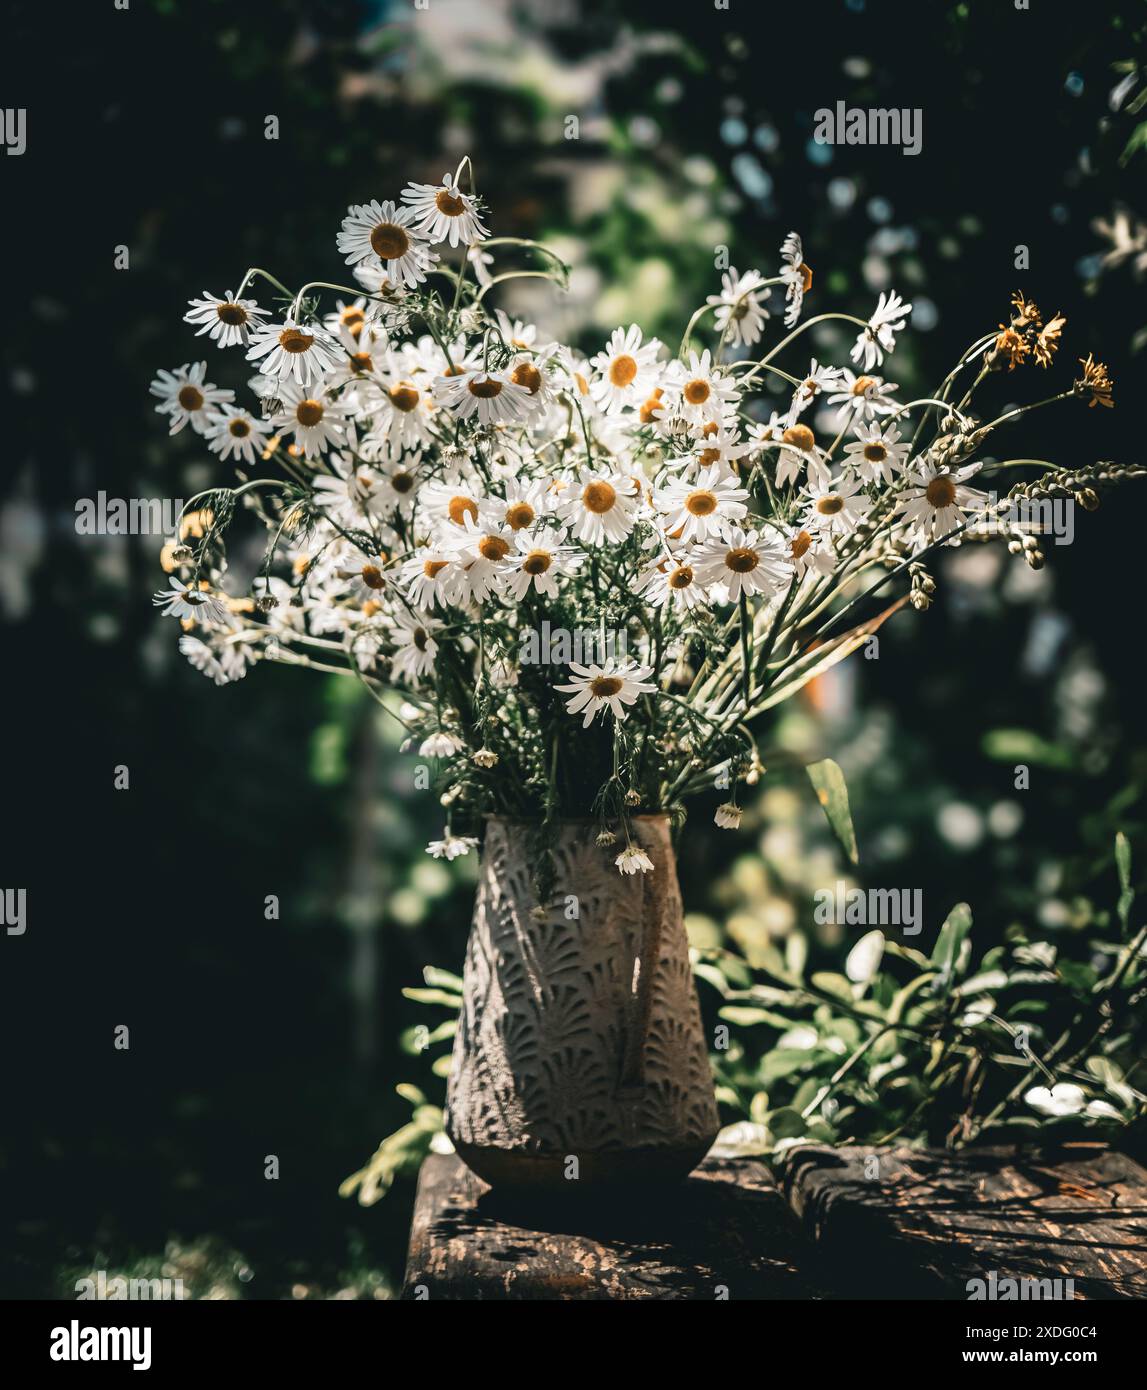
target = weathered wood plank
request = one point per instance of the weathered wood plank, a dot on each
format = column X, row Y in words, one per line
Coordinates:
column 724, row 1232
column 923, row 1224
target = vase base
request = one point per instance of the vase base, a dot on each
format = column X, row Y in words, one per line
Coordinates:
column 606, row 1169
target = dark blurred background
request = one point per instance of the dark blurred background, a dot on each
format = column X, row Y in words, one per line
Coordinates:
column 252, row 1037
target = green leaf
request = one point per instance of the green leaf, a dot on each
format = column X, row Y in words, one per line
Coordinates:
column 831, row 983
column 745, row 1017
column 786, row 1123
column 1123, row 864
column 832, row 793
column 442, row 979
column 946, row 953
column 1024, row 746
column 434, row 996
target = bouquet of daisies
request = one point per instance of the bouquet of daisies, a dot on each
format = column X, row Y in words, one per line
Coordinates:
column 576, row 582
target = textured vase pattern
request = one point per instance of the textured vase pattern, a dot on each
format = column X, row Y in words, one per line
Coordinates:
column 579, row 1035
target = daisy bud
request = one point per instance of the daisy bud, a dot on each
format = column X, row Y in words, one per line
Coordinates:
column 266, row 603
column 728, row 816
column 604, row 839
column 928, row 584
column 1035, row 559
column 1014, row 547
column 632, row 798
column 181, row 554
column 485, row 757
column 1089, row 499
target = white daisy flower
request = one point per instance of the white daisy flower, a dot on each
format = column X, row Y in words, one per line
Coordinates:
column 481, row 261
column 383, row 234
column 444, row 213
column 700, row 390
column 728, row 816
column 227, row 321
column 481, row 553
column 452, row 846
column 524, row 504
column 741, row 312
column 449, row 501
column 879, row 337
column 633, row 860
column 349, row 322
column 876, row 453
column 235, row 433
column 767, row 432
column 187, row 398
column 191, row 601
column 440, row 745
column 744, row 562
column 612, row 687
column 797, row 277
column 834, row 506
column 516, row 333
column 720, row 443
column 540, row 560
column 304, row 354
column 799, row 450
column 604, row 508
column 863, row 397
column 817, row 381
column 626, row 371
column 936, row 502
column 492, row 396
column 407, row 423
column 429, row 576
column 222, row 660
column 316, row 421
column 397, row 485
column 367, row 574
column 672, row 580
column 811, row 552
column 697, row 508
column 415, row 649
column 351, row 497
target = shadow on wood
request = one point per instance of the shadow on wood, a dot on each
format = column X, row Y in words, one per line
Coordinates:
column 903, row 1224
column 725, row 1232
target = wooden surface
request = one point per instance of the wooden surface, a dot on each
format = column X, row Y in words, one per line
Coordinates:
column 914, row 1225
column 725, row 1232
column 921, row 1225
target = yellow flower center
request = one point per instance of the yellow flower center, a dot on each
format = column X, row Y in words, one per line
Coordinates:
column 294, row 340
column 800, row 437
column 681, row 578
column 404, row 397
column 389, row 241
column 741, row 560
column 433, row 568
column 309, row 412
column 537, row 562
column 701, row 503
column 599, row 497
column 622, row 370
column 527, row 375
column 862, row 384
column 402, row 482
column 830, row 504
column 875, row 452
column 941, row 492
column 486, row 389
column 191, row 398
column 697, row 391
column 518, row 515
column 651, row 405
column 352, row 318
column 233, row 314
column 605, row 686
column 460, row 508
column 800, row 544
column 361, row 362
column 420, row 637
column 238, row 428
column 450, row 204
column 806, row 277
column 493, row 548
column 372, row 577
